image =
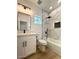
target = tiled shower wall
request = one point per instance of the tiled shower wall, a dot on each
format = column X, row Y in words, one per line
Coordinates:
column 54, row 33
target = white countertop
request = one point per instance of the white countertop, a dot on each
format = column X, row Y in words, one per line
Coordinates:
column 27, row 34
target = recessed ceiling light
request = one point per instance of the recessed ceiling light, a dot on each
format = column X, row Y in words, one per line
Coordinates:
column 50, row 7
column 59, row 1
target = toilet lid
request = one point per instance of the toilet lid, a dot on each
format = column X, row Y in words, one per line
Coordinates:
column 43, row 42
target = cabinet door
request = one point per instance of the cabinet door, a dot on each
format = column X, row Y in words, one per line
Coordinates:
column 26, row 53
column 20, row 47
column 26, row 46
column 31, row 45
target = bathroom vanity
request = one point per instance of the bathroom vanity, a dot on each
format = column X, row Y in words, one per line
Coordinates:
column 26, row 44
column 26, row 40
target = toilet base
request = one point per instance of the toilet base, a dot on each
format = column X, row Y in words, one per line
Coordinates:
column 42, row 48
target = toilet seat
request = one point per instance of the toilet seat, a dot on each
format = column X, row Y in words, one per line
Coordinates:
column 43, row 42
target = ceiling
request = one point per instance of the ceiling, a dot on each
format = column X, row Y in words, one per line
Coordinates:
column 46, row 4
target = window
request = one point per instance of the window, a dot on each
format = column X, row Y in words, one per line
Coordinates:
column 37, row 20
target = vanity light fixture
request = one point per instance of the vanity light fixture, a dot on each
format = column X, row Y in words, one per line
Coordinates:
column 24, row 9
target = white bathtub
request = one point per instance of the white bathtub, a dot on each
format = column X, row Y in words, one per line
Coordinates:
column 54, row 45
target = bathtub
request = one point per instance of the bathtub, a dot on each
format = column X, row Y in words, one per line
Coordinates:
column 54, row 45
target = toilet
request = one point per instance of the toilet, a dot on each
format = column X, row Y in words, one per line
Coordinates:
column 42, row 45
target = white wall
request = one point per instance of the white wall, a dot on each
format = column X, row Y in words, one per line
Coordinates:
column 36, row 12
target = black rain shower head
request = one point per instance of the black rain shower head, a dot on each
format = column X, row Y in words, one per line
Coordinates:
column 49, row 17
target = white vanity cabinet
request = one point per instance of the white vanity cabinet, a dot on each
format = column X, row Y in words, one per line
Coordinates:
column 26, row 45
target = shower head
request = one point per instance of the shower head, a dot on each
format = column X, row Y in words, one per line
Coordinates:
column 49, row 17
